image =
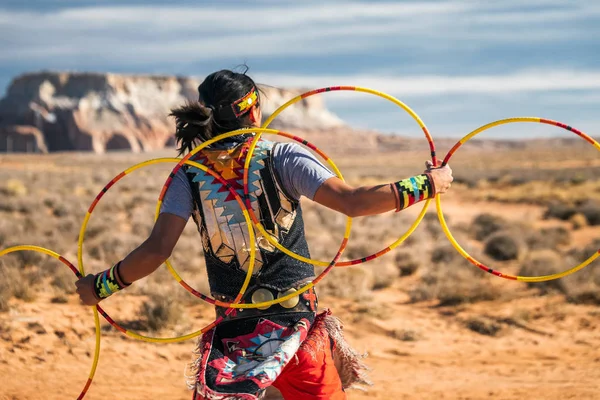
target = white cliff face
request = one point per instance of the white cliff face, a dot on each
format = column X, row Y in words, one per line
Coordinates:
column 100, row 112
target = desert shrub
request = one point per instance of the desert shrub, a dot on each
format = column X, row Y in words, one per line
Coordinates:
column 30, row 258
column 384, row 274
column 584, row 294
column 591, row 211
column 23, row 205
column 486, row 224
column 4, row 299
column 406, row 262
column 51, row 201
column 433, row 226
column 444, row 254
column 59, row 299
column 540, row 263
column 111, row 247
column 483, row 325
column 581, row 254
column 372, row 309
column 578, row 221
column 141, row 221
column 503, row 246
column 470, row 181
column 5, row 286
column 548, row 238
column 405, row 335
column 456, row 288
column 583, row 287
column 452, row 280
column 362, row 247
column 353, row 283
column 161, row 312
column 517, row 180
column 578, row 179
column 14, row 187
column 8, row 205
column 22, row 283
column 64, row 280
column 18, row 281
column 560, row 211
column 451, row 294
column 66, row 227
column 61, row 210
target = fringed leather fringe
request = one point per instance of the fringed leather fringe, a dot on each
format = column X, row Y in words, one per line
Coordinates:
column 351, row 368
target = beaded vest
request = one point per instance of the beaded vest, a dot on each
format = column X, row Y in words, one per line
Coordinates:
column 223, row 229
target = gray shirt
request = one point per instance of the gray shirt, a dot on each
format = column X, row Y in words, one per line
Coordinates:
column 301, row 174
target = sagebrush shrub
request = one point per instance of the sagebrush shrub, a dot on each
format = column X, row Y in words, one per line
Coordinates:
column 503, row 246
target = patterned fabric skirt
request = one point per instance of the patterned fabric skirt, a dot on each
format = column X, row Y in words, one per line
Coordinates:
column 242, row 358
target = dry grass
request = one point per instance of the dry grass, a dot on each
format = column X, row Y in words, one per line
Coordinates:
column 47, row 210
column 452, row 280
column 539, row 192
column 406, row 335
column 353, row 283
column 160, row 312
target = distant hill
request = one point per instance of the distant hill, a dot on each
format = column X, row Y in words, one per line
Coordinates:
column 58, row 111
column 99, row 112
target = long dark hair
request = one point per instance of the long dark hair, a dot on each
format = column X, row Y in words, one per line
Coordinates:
column 212, row 114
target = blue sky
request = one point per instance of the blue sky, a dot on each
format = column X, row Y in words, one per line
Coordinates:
column 458, row 64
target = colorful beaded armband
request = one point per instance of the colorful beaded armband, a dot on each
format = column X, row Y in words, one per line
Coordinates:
column 109, row 282
column 412, row 190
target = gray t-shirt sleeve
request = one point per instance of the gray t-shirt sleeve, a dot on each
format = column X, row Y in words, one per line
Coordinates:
column 301, row 174
column 178, row 200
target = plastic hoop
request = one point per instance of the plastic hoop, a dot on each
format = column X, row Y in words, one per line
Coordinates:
column 458, row 247
column 300, row 97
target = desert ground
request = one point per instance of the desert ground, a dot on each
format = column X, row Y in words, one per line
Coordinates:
column 433, row 325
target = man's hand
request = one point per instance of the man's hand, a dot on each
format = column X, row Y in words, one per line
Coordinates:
column 441, row 176
column 85, row 290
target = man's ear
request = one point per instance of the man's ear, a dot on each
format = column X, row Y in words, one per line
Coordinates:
column 255, row 115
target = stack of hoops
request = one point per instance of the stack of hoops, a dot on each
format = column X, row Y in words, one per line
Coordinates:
column 253, row 223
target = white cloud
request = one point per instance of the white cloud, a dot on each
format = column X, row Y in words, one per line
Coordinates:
column 133, row 35
column 429, row 85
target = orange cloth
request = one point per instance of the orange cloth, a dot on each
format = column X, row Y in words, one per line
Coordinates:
column 308, row 377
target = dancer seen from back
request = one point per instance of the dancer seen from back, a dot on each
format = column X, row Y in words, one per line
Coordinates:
column 290, row 345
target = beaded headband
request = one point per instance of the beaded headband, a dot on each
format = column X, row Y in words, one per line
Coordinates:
column 238, row 107
column 245, row 103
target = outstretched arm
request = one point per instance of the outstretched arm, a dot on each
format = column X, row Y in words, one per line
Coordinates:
column 368, row 200
column 355, row 202
column 142, row 261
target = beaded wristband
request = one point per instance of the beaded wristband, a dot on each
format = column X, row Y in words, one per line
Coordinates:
column 412, row 190
column 109, row 282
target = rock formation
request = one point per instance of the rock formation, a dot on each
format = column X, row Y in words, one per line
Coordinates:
column 21, row 138
column 60, row 111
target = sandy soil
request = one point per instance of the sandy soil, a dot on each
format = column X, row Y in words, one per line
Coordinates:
column 416, row 352
column 544, row 349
